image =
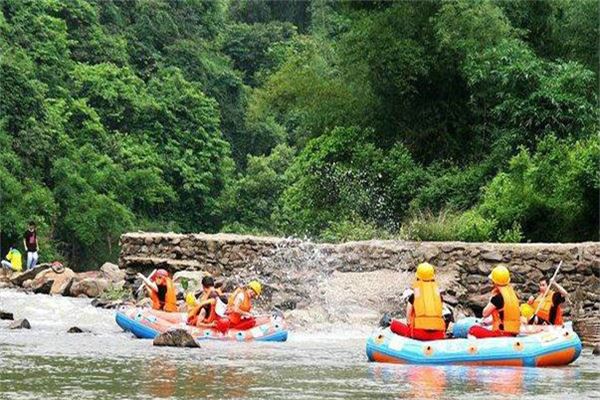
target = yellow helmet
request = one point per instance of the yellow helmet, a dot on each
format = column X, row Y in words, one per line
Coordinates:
column 425, row 272
column 190, row 299
column 500, row 275
column 526, row 311
column 256, row 286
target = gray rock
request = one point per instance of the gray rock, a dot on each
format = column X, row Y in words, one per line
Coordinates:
column 89, row 287
column 76, row 329
column 20, row 324
column 175, row 338
column 44, row 288
column 596, row 350
column 492, row 256
column 6, row 315
column 112, row 273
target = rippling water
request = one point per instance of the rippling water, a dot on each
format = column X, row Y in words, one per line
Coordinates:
column 46, row 362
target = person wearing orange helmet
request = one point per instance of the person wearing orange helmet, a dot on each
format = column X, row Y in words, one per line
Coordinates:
column 161, row 290
column 424, row 308
column 503, row 307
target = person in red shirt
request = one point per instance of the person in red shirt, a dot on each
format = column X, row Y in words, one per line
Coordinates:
column 31, row 244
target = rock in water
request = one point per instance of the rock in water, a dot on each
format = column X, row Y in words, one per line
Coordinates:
column 89, row 287
column 44, row 288
column 20, row 324
column 30, row 274
column 75, row 329
column 6, row 315
column 175, row 338
column 61, row 280
column 596, row 350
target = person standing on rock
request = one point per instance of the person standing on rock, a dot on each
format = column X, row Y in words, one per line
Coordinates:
column 550, row 311
column 161, row 290
column 31, row 244
column 503, row 307
column 424, row 308
column 13, row 261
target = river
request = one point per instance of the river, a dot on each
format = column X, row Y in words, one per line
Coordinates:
column 328, row 363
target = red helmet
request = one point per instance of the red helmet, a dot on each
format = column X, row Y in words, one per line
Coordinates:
column 160, row 273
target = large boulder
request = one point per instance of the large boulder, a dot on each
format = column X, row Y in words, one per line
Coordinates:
column 175, row 338
column 112, row 273
column 89, row 287
column 30, row 274
column 61, row 281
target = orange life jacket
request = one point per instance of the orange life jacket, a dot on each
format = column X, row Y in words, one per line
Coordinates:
column 544, row 311
column 427, row 307
column 195, row 311
column 246, row 306
column 512, row 314
column 202, row 302
column 169, row 303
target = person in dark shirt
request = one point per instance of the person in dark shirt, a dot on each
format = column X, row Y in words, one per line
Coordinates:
column 31, row 244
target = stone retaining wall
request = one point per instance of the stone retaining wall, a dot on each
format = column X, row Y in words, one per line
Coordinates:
column 283, row 263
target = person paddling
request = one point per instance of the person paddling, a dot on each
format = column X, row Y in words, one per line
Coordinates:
column 424, row 308
column 548, row 306
column 161, row 290
column 503, row 307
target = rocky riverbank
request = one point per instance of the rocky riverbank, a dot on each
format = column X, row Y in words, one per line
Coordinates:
column 346, row 284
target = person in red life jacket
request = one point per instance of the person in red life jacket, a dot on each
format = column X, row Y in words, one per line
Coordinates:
column 550, row 311
column 503, row 307
column 239, row 306
column 424, row 309
column 204, row 312
column 161, row 290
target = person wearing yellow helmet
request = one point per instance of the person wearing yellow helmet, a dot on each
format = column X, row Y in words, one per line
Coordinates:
column 239, row 306
column 503, row 307
column 423, row 308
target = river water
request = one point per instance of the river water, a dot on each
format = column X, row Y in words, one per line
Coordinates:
column 327, row 362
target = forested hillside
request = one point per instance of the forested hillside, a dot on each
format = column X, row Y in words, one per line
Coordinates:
column 466, row 120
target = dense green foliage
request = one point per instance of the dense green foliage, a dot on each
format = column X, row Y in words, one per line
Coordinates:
column 468, row 120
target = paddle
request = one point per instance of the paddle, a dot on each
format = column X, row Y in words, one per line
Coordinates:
column 548, row 288
column 137, row 292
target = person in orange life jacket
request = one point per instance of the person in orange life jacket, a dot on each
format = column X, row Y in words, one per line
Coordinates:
column 550, row 312
column 204, row 313
column 503, row 307
column 424, row 309
column 161, row 290
column 240, row 305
